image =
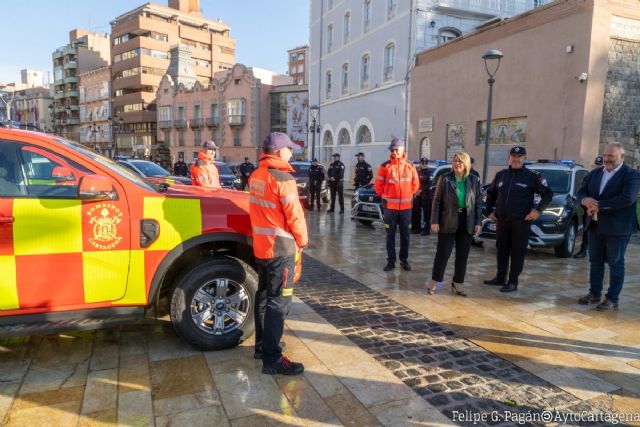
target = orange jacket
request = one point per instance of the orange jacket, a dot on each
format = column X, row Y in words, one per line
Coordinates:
column 397, row 181
column 277, row 218
column 204, row 172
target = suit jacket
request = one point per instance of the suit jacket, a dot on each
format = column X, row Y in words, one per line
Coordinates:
column 444, row 210
column 617, row 203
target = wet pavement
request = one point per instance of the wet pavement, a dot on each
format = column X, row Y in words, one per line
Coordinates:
column 377, row 350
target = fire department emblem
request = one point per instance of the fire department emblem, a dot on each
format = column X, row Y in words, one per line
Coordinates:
column 105, row 218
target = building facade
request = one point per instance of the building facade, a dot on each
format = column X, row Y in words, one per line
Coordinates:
column 298, row 64
column 30, row 109
column 95, row 110
column 563, row 97
column 34, row 78
column 86, row 51
column 233, row 110
column 141, row 40
column 361, row 52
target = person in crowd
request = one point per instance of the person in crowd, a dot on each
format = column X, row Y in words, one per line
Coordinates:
column 335, row 177
column 597, row 163
column 203, row 171
column 246, row 169
column 422, row 202
column 396, row 182
column 364, row 172
column 511, row 204
column 456, row 217
column 316, row 176
column 609, row 194
column 180, row 167
column 279, row 233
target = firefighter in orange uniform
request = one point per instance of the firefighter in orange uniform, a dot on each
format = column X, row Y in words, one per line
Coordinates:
column 204, row 172
column 397, row 181
column 279, row 233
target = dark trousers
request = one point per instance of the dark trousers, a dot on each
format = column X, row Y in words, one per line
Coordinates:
column 272, row 304
column 244, row 182
column 585, row 234
column 402, row 220
column 421, row 209
column 609, row 249
column 314, row 194
column 337, row 190
column 461, row 239
column 512, row 239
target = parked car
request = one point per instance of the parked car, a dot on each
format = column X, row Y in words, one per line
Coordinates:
column 152, row 171
column 301, row 174
column 366, row 205
column 560, row 223
column 227, row 178
column 88, row 243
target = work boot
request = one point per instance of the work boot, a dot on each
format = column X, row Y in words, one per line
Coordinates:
column 390, row 266
column 405, row 265
column 494, row 282
column 581, row 253
column 589, row 299
column 283, row 366
column 607, row 305
column 509, row 287
column 330, row 210
column 258, row 352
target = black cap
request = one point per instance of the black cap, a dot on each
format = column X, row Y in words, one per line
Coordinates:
column 518, row 151
column 599, row 161
column 336, row 154
column 424, row 160
column 360, row 154
column 315, row 160
column 246, row 158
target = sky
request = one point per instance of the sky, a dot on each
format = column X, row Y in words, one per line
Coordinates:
column 32, row 29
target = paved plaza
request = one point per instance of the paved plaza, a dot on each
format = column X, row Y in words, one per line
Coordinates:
column 377, row 351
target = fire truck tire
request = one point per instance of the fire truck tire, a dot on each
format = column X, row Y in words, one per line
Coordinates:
column 212, row 306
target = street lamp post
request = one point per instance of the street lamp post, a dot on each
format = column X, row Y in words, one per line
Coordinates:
column 315, row 128
column 489, row 57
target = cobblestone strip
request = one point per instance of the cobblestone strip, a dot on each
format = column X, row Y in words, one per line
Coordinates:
column 450, row 372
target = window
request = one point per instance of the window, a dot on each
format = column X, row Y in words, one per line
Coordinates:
column 180, row 113
column 389, row 59
column 328, row 138
column 345, row 79
column 366, row 15
column 447, row 34
column 343, row 137
column 197, row 137
column 235, row 107
column 167, row 137
column 364, row 71
column 236, row 137
column 329, row 4
column 328, row 87
column 363, row 136
column 391, row 8
column 196, row 112
column 329, row 38
column 164, row 113
column 181, row 137
column 346, row 27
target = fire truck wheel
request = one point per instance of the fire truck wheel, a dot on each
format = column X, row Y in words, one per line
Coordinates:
column 212, row 305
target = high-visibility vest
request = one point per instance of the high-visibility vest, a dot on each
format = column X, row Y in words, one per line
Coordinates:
column 396, row 182
column 277, row 219
column 204, row 172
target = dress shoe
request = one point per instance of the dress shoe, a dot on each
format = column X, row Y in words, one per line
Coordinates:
column 330, row 210
column 283, row 366
column 341, row 212
column 405, row 265
column 494, row 282
column 607, row 305
column 390, row 266
column 580, row 254
column 509, row 287
column 458, row 291
column 258, row 353
column 589, row 299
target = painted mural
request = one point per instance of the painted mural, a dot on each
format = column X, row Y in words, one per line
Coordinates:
column 509, row 131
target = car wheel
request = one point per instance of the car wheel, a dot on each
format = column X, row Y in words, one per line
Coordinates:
column 212, row 305
column 365, row 222
column 565, row 249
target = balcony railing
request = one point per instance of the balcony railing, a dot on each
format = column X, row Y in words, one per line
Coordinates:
column 180, row 123
column 164, row 124
column 237, row 120
column 70, row 64
column 196, row 123
column 213, row 122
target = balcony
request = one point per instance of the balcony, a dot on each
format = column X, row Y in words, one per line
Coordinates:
column 164, row 124
column 69, row 50
column 237, row 120
column 72, row 121
column 195, row 123
column 57, row 54
column 73, row 93
column 59, row 95
column 213, row 122
column 70, row 64
column 71, row 79
column 180, row 123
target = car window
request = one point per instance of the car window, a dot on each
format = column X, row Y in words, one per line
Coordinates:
column 301, row 170
column 223, row 169
column 559, row 181
column 579, row 177
column 150, row 168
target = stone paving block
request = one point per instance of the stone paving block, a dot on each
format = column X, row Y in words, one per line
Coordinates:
column 61, row 414
column 134, row 374
column 350, row 411
column 135, row 408
column 304, row 399
column 101, row 391
column 187, row 402
column 107, row 418
column 578, row 382
column 7, row 393
column 177, row 377
column 412, row 411
column 54, row 377
column 207, row 416
column 165, row 344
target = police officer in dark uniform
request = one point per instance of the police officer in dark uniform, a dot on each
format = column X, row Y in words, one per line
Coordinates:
column 421, row 201
column 510, row 202
column 246, row 169
column 180, row 167
column 335, row 176
column 473, row 171
column 316, row 176
column 364, row 173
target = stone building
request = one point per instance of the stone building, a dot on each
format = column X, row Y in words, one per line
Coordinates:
column 95, row 110
column 569, row 82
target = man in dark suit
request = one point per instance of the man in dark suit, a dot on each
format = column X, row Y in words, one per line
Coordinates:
column 609, row 196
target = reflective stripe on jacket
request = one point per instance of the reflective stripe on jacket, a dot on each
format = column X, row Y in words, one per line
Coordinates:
column 277, row 218
column 204, row 172
column 396, row 182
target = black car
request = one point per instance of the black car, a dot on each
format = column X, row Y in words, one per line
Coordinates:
column 152, row 171
column 560, row 223
column 301, row 174
column 366, row 205
column 227, row 178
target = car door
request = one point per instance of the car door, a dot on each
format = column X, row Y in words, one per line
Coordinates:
column 60, row 252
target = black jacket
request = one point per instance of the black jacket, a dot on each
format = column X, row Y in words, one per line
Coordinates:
column 444, row 210
column 512, row 192
column 316, row 175
column 616, row 203
column 336, row 171
column 425, row 182
column 180, row 168
column 364, row 174
column 246, row 169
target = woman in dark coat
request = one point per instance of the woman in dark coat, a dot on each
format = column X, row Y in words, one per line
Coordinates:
column 456, row 216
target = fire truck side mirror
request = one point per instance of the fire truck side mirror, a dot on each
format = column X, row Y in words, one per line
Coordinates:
column 96, row 187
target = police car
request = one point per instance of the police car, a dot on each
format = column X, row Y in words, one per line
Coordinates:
column 366, row 205
column 301, row 175
column 560, row 223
